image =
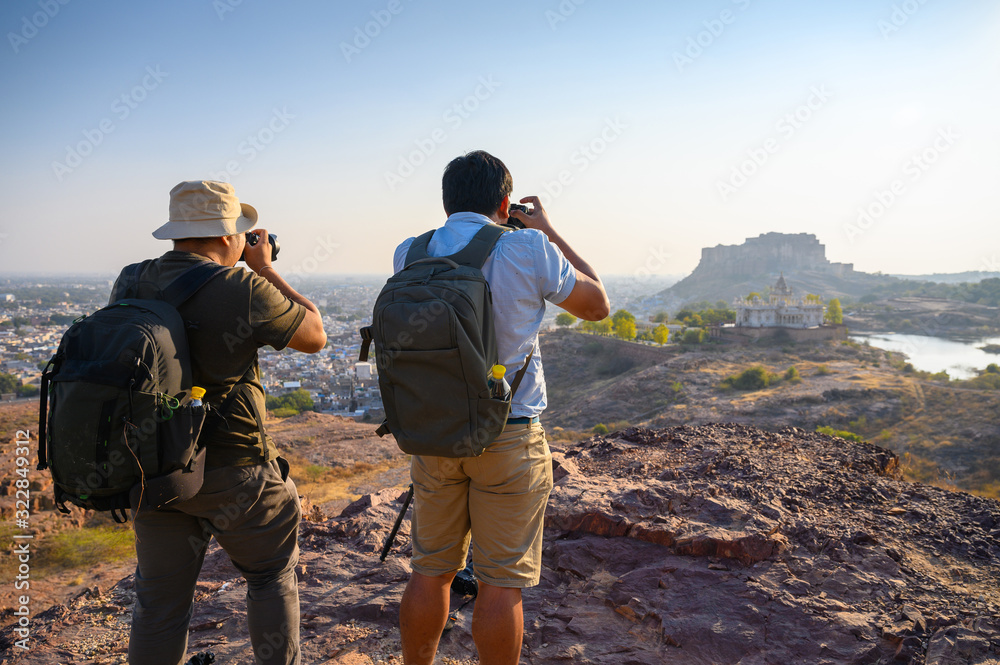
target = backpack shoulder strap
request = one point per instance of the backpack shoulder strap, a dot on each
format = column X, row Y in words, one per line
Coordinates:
column 127, row 283
column 176, row 292
column 473, row 254
column 478, row 250
column 190, row 281
column 418, row 248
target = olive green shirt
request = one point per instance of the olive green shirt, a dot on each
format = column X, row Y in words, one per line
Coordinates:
column 227, row 320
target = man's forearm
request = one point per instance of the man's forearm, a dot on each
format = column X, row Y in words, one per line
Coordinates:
column 277, row 281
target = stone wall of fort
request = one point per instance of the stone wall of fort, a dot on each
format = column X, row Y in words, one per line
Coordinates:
column 770, row 252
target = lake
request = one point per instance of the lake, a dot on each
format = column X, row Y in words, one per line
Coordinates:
column 961, row 359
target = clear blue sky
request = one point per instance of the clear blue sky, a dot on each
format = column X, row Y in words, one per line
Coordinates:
column 672, row 125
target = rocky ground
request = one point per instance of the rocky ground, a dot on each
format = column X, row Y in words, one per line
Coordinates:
column 951, row 429
column 690, row 545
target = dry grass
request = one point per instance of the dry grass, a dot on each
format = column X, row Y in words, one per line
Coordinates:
column 322, row 484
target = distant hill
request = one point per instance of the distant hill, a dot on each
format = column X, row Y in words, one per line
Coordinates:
column 951, row 278
column 728, row 271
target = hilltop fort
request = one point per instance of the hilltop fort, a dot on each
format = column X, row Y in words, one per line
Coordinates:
column 729, row 271
column 770, row 252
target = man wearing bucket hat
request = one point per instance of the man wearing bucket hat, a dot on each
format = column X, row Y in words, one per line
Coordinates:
column 247, row 501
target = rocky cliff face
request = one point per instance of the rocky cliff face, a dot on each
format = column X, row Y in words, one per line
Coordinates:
column 711, row 544
column 727, row 271
column 769, row 252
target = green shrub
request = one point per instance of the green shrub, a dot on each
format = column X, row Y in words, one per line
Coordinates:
column 295, row 401
column 600, row 428
column 843, row 434
column 823, row 370
column 694, row 336
column 314, row 473
column 754, row 378
column 985, row 381
column 792, row 375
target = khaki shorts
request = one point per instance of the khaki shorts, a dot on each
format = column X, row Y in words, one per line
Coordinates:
column 497, row 499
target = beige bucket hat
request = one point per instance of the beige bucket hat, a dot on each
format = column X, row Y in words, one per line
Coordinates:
column 205, row 209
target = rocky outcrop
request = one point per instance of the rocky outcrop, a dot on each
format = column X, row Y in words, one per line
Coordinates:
column 770, row 252
column 711, row 544
column 727, row 271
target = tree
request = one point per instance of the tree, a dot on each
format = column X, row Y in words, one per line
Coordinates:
column 622, row 315
column 834, row 313
column 604, row 326
column 694, row 336
column 625, row 328
column 661, row 334
column 660, row 317
column 752, row 295
column 8, row 383
column 295, row 401
column 564, row 319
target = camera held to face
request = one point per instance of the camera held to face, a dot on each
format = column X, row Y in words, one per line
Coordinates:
column 514, row 222
column 252, row 240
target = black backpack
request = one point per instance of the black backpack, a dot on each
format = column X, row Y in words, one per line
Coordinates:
column 435, row 342
column 115, row 423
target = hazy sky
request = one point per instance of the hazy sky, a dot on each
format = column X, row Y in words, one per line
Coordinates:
column 651, row 129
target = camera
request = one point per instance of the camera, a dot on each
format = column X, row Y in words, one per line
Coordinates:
column 465, row 583
column 514, row 222
column 252, row 240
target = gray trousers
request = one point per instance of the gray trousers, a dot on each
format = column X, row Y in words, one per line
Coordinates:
column 254, row 513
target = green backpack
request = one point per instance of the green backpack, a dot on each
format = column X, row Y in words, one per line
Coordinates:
column 435, row 343
column 114, row 423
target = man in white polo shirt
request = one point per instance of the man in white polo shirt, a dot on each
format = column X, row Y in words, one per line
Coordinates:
column 497, row 499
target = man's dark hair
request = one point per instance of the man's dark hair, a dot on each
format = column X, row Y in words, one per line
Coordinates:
column 475, row 182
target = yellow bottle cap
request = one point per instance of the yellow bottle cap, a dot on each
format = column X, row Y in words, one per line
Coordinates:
column 498, row 371
column 197, row 392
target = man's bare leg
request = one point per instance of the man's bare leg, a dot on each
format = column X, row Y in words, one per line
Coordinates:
column 423, row 612
column 498, row 625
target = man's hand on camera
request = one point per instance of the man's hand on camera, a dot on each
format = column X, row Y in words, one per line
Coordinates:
column 538, row 219
column 258, row 257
